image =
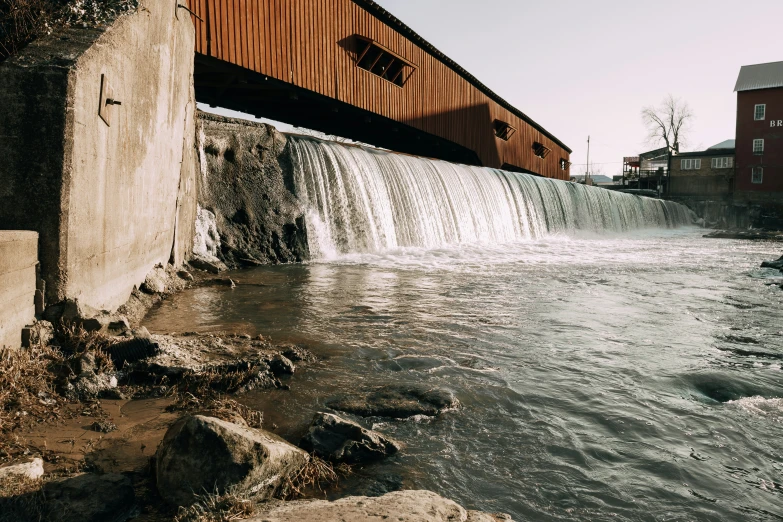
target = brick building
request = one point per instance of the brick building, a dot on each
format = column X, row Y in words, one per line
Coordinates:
column 704, row 174
column 759, row 143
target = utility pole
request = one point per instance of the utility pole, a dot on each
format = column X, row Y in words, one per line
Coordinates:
column 587, row 170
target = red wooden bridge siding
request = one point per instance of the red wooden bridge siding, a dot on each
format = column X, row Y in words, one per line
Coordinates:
column 311, row 44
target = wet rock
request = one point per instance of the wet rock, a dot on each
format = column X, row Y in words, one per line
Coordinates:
column 281, row 365
column 155, row 282
column 778, row 264
column 298, row 354
column 397, row 402
column 91, row 498
column 86, row 363
column 32, row 470
column 213, row 266
column 406, row 506
column 206, row 454
column 184, row 274
column 340, row 440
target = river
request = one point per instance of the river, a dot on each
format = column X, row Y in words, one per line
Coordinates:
column 627, row 375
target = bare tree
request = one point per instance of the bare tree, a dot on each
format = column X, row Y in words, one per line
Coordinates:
column 668, row 123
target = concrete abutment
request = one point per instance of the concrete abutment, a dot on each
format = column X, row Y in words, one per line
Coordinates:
column 113, row 194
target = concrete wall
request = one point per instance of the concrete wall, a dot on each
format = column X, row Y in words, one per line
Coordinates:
column 110, row 201
column 18, row 257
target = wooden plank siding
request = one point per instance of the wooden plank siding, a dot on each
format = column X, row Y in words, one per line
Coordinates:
column 311, row 44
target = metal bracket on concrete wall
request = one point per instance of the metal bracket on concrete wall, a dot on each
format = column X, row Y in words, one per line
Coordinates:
column 107, row 100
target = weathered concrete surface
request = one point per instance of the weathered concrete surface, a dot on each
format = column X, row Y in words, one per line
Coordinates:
column 18, row 257
column 404, row 506
column 246, row 181
column 106, row 200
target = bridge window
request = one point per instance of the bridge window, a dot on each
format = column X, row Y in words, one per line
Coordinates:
column 564, row 164
column 540, row 150
column 383, row 62
column 504, row 130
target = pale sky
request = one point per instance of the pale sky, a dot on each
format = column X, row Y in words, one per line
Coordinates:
column 584, row 68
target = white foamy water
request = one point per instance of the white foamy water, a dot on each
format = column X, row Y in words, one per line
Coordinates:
column 363, row 201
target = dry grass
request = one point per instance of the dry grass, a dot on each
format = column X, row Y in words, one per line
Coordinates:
column 314, row 477
column 75, row 341
column 218, row 406
column 21, row 498
column 22, row 21
column 232, row 505
column 27, row 385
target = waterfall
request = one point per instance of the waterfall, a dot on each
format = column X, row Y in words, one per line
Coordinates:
column 365, row 200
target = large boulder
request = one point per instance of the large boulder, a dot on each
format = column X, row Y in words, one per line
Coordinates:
column 773, row 264
column 341, row 440
column 403, row 506
column 397, row 402
column 204, row 454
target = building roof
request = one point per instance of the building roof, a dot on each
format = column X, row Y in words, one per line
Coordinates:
column 760, row 76
column 706, row 153
column 393, row 22
column 728, row 144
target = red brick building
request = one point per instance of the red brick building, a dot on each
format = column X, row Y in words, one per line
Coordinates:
column 759, row 139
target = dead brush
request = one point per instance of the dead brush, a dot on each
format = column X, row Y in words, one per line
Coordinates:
column 21, row 498
column 75, row 341
column 27, row 389
column 218, row 406
column 316, row 475
column 22, row 21
column 216, row 507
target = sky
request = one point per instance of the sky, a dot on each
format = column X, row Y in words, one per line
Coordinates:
column 588, row 68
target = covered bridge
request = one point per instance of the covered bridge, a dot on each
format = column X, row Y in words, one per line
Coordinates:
column 350, row 68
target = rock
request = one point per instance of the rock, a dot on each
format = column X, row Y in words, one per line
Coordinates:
column 141, row 333
column 89, row 386
column 103, row 426
column 778, row 264
column 281, row 365
column 184, row 274
column 91, row 498
column 247, row 185
column 405, row 506
column 340, row 440
column 201, row 454
column 86, row 363
column 397, row 402
column 92, row 320
column 297, row 353
column 32, row 470
column 39, row 333
column 155, row 282
column 214, row 266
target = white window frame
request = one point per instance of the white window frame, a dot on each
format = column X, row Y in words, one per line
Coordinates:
column 763, row 115
column 758, row 147
column 757, row 175
column 690, row 164
column 722, row 163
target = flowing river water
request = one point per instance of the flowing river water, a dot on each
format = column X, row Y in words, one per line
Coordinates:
column 625, row 370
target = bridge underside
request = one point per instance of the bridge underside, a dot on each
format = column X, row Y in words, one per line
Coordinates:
column 222, row 84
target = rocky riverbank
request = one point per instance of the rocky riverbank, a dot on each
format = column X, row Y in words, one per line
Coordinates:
column 100, row 420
